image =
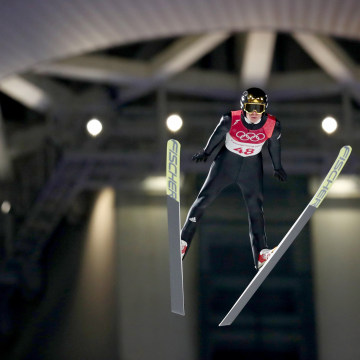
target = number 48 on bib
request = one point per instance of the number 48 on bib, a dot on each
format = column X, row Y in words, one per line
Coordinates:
column 245, row 151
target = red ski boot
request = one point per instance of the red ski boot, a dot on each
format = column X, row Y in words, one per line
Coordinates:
column 264, row 255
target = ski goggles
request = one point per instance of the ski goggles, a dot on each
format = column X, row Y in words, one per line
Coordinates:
column 251, row 107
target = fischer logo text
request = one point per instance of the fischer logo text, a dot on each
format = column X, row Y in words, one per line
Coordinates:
column 173, row 176
column 329, row 180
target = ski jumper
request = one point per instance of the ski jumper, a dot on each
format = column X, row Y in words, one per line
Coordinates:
column 238, row 162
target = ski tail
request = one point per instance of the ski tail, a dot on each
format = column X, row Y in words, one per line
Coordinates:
column 291, row 235
column 173, row 211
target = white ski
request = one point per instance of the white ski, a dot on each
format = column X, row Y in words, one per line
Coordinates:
column 289, row 237
column 173, row 210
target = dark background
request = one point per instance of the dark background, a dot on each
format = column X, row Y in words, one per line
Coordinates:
column 83, row 249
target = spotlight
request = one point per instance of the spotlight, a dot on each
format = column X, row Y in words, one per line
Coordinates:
column 329, row 125
column 94, row 127
column 174, row 122
column 5, row 207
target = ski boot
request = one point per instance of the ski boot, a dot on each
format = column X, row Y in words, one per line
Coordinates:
column 264, row 255
column 183, row 246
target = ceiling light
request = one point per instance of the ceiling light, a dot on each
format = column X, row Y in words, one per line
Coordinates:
column 5, row 207
column 94, row 127
column 174, row 122
column 329, row 125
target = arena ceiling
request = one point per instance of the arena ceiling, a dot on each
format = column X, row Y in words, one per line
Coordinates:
column 39, row 31
column 64, row 60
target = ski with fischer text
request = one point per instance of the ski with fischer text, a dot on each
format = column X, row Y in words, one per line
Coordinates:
column 173, row 211
column 289, row 237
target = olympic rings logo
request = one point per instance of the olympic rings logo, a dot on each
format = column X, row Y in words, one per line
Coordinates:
column 250, row 136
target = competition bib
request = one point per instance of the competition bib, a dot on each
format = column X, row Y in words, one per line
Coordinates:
column 245, row 142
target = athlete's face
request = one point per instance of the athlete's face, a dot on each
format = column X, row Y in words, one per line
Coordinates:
column 253, row 116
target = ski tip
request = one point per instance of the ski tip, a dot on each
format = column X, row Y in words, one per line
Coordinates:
column 345, row 152
column 172, row 141
column 334, row 172
column 347, row 147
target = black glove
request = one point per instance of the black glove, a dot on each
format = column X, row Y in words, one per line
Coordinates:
column 200, row 156
column 280, row 174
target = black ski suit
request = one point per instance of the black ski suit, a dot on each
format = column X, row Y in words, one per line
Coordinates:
column 247, row 172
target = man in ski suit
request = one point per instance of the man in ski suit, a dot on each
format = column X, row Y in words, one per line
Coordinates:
column 240, row 161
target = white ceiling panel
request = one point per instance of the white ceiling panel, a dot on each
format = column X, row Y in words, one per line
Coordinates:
column 37, row 31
